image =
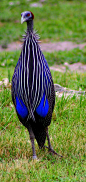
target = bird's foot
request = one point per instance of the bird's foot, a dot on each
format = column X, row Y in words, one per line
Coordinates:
column 34, row 157
column 53, row 152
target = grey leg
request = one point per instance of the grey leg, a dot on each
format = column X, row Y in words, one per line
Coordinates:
column 49, row 144
column 32, row 142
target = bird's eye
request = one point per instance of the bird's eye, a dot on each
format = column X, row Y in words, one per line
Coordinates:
column 28, row 14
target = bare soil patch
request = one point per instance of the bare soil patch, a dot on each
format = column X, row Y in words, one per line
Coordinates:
column 51, row 47
column 60, row 46
column 48, row 47
column 77, row 67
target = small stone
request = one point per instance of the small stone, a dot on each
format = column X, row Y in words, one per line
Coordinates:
column 5, row 81
column 1, row 83
column 66, row 64
column 36, row 5
column 11, row 60
column 3, row 64
column 11, row 3
column 42, row 1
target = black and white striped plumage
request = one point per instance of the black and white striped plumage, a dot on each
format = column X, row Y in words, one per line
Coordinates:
column 32, row 87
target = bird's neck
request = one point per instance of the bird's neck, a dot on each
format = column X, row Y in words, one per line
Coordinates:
column 29, row 26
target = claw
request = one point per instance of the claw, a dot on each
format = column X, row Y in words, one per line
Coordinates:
column 52, row 151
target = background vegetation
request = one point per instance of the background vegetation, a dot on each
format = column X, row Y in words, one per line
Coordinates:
column 55, row 21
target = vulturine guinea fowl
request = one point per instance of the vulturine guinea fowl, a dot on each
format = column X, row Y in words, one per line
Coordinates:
column 33, row 92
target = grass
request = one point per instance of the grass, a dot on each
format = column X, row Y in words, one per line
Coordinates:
column 76, row 81
column 55, row 21
column 67, row 132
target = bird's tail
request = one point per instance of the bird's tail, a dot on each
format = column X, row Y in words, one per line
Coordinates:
column 39, row 132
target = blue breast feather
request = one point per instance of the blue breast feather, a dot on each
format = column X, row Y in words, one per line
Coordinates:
column 21, row 108
column 41, row 110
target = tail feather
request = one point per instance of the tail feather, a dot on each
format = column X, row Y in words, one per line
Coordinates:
column 39, row 133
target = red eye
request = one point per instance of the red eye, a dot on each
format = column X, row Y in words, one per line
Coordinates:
column 28, row 14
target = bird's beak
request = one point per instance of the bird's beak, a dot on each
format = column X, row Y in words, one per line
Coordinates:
column 22, row 19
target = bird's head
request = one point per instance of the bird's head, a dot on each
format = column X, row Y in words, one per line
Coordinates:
column 26, row 16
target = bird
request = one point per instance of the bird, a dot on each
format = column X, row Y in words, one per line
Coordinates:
column 33, row 92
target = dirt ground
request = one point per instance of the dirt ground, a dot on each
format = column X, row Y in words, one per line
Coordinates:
column 51, row 47
column 77, row 67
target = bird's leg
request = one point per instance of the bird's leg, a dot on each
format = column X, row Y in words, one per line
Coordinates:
column 32, row 142
column 49, row 144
